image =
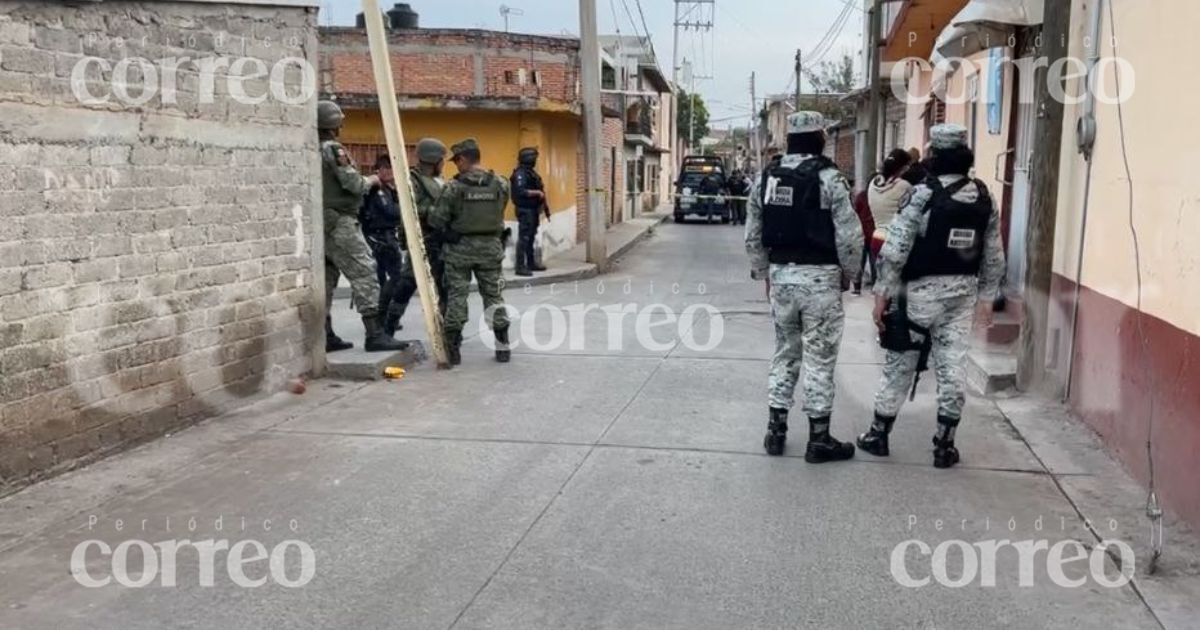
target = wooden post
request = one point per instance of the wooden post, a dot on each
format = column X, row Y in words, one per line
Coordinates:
column 389, row 111
column 1044, row 169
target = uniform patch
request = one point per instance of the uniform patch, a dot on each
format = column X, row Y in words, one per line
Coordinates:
column 906, row 199
column 481, row 196
column 781, row 196
column 342, row 158
column 961, row 239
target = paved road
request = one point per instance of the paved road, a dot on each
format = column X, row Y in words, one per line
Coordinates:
column 596, row 484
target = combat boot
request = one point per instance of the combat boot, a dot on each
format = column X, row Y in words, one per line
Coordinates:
column 391, row 323
column 537, row 266
column 376, row 341
column 454, row 347
column 822, row 447
column 503, row 352
column 945, row 454
column 334, row 343
column 776, row 431
column 875, row 440
column 523, row 271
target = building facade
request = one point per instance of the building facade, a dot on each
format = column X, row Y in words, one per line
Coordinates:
column 507, row 90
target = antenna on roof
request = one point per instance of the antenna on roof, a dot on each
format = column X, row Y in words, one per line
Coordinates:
column 506, row 11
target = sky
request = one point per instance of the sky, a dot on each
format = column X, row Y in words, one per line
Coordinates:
column 758, row 36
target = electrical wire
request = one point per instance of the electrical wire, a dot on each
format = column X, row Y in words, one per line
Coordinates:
column 844, row 19
column 1153, row 511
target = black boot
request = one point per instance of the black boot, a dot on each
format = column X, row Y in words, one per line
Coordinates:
column 334, row 343
column 503, row 352
column 454, row 347
column 822, row 447
column 776, row 431
column 376, row 341
column 875, row 440
column 944, row 453
column 537, row 267
column 523, row 271
column 391, row 323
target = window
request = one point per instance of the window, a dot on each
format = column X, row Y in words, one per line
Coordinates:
column 510, row 77
column 537, row 78
column 608, row 78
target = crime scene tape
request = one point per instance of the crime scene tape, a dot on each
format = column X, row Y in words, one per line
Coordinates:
column 725, row 197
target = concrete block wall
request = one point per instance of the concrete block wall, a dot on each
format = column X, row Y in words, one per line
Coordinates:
column 156, row 257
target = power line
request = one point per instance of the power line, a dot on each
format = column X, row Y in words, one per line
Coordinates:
column 646, row 29
column 629, row 14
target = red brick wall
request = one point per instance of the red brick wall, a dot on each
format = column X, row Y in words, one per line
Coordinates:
column 454, row 63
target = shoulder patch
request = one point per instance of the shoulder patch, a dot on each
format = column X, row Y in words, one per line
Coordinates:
column 906, row 198
column 343, row 158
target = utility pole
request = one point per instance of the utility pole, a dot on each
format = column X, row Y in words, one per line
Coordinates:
column 589, row 51
column 697, row 15
column 1039, row 238
column 799, row 75
column 875, row 49
column 754, row 144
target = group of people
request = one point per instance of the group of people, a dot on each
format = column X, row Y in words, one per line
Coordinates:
column 462, row 228
column 939, row 264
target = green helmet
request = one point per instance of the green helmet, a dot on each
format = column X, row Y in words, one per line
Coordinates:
column 329, row 115
column 430, row 151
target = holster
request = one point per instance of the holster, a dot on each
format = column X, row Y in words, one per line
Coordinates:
column 898, row 336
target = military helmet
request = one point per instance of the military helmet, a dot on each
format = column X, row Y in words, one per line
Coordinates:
column 430, row 151
column 465, row 146
column 329, row 115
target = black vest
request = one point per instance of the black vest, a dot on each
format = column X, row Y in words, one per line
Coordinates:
column 953, row 240
column 796, row 228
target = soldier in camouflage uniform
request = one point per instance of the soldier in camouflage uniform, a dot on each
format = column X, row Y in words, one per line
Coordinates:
column 805, row 240
column 426, row 181
column 470, row 216
column 342, row 188
column 944, row 254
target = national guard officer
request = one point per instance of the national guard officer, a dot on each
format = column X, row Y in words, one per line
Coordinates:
column 426, row 182
column 941, row 262
column 529, row 196
column 805, row 240
column 342, row 188
column 470, row 215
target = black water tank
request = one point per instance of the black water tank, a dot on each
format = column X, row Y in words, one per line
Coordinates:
column 402, row 16
column 360, row 21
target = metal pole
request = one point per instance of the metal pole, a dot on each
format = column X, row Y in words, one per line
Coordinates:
column 589, row 50
column 389, row 111
column 754, row 144
column 799, row 75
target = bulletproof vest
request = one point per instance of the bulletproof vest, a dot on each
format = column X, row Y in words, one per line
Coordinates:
column 953, row 241
column 380, row 211
column 483, row 201
column 533, row 181
column 333, row 195
column 426, row 191
column 796, row 228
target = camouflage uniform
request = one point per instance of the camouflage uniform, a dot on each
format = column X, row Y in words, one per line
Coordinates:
column 470, row 213
column 806, row 300
column 342, row 189
column 426, row 191
column 943, row 304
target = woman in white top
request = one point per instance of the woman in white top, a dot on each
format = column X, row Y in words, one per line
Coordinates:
column 888, row 189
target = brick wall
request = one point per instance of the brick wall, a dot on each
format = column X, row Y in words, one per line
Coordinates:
column 156, row 260
column 455, row 63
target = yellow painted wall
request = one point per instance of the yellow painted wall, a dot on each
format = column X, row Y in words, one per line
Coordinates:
column 1164, row 151
column 500, row 134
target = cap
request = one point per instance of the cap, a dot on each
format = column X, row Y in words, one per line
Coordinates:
column 947, row 136
column 806, row 122
column 470, row 144
column 430, row 150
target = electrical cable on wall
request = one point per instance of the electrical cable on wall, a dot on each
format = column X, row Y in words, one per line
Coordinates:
column 1153, row 510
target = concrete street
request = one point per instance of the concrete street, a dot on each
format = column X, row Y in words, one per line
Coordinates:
column 605, row 485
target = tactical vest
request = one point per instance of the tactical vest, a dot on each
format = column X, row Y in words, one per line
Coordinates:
column 953, row 241
column 333, row 195
column 482, row 211
column 796, row 228
column 426, row 191
column 533, row 182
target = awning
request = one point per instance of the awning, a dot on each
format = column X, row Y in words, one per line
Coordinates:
column 981, row 25
column 985, row 24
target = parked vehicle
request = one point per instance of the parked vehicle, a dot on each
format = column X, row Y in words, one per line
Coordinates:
column 702, row 190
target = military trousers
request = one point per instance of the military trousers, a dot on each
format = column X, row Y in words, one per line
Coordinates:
column 346, row 253
column 406, row 286
column 808, row 320
column 481, row 257
column 948, row 319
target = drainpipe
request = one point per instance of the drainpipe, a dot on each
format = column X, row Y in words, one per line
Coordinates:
column 1085, row 138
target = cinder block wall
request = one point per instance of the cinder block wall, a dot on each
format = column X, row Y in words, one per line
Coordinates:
column 156, row 258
